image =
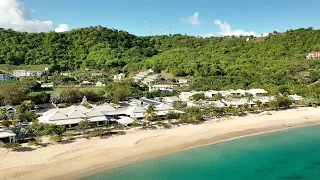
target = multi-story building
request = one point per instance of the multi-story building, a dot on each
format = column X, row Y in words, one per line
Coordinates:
column 24, row 73
column 313, row 54
column 4, row 77
column 160, row 88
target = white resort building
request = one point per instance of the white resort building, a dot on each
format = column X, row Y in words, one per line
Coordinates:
column 146, row 77
column 229, row 97
column 71, row 116
column 119, row 77
column 25, row 73
column 163, row 87
column 7, row 136
column 103, row 114
column 313, row 54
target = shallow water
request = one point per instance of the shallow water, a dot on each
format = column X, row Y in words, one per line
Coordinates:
column 287, row 155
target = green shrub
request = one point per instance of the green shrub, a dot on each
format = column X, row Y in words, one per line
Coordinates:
column 56, row 139
column 36, row 142
column 70, row 137
column 96, row 133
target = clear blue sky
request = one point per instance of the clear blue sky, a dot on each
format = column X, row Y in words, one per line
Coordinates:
column 134, row 15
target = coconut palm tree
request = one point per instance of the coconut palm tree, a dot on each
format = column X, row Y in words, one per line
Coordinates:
column 150, row 115
column 233, row 110
column 258, row 103
column 249, row 97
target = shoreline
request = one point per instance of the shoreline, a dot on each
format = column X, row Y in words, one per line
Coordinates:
column 258, row 132
column 83, row 157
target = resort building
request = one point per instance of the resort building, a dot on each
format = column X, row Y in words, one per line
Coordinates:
column 125, row 120
column 100, row 84
column 71, row 116
column 104, row 114
column 183, row 81
column 47, row 85
column 185, row 96
column 295, row 97
column 7, row 136
column 137, row 112
column 204, row 103
column 96, row 74
column 237, row 102
column 65, row 74
column 4, row 77
column 119, row 77
column 313, row 54
column 139, row 77
column 160, row 87
column 25, row 73
column 150, row 79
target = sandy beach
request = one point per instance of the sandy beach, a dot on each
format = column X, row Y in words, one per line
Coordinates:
column 82, row 157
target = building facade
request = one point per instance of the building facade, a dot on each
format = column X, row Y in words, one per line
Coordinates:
column 119, row 77
column 313, row 54
column 160, row 88
column 25, row 73
column 4, row 77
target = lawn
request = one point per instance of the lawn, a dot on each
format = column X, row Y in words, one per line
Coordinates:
column 59, row 89
column 9, row 68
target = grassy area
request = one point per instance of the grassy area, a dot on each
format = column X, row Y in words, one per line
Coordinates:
column 9, row 68
column 59, row 89
column 166, row 75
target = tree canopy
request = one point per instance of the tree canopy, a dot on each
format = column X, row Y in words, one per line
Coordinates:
column 214, row 63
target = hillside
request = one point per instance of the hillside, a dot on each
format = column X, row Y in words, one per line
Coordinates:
column 215, row 63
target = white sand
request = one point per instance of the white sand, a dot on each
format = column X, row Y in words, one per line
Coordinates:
column 69, row 160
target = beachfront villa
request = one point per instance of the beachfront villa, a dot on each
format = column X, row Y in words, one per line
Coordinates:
column 72, row 115
column 229, row 97
column 185, row 96
column 7, row 136
column 137, row 111
column 295, row 97
column 104, row 114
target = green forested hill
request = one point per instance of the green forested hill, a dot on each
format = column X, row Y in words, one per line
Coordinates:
column 215, row 63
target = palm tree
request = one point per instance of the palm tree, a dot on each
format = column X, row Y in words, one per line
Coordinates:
column 232, row 109
column 249, row 97
column 83, row 125
column 246, row 107
column 150, row 115
column 258, row 103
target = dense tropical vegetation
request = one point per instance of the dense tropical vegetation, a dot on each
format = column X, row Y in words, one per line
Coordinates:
column 276, row 62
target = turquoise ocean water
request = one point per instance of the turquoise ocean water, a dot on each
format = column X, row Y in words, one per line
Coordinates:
column 287, row 155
